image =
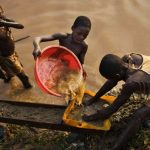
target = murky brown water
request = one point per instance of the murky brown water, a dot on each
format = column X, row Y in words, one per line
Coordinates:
column 118, row 26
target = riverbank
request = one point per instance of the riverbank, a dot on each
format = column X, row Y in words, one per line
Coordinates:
column 25, row 138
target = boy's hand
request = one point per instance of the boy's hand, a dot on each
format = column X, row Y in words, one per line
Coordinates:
column 101, row 115
column 36, row 53
column 84, row 74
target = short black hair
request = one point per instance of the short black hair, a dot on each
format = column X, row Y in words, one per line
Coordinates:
column 82, row 21
column 110, row 65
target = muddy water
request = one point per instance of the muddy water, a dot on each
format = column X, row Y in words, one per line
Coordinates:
column 117, row 27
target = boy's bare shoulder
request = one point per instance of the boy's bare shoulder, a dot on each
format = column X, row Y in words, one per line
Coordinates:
column 60, row 35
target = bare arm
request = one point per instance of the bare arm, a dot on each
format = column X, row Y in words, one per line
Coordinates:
column 6, row 22
column 108, row 85
column 38, row 40
column 120, row 100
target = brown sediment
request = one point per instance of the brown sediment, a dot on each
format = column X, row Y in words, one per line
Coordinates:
column 69, row 84
column 31, row 113
column 79, row 110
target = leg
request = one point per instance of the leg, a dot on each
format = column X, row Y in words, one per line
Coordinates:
column 2, row 74
column 5, row 76
column 6, row 69
column 12, row 65
column 8, row 78
column 141, row 115
column 24, row 79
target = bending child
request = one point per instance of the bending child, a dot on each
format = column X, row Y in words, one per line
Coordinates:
column 10, row 64
column 115, row 69
column 73, row 41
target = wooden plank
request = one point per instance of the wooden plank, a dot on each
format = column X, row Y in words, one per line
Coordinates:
column 37, row 115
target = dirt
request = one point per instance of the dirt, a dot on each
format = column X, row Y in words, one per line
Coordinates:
column 24, row 138
column 51, row 115
column 29, row 138
column 78, row 111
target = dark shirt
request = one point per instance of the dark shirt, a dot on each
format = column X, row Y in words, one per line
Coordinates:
column 137, row 81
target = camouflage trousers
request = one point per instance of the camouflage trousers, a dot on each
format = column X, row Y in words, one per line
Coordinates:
column 135, row 102
column 11, row 65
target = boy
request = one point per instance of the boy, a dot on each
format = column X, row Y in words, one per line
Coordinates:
column 10, row 64
column 115, row 69
column 73, row 41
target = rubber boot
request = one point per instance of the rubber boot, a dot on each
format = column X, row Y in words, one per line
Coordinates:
column 7, row 80
column 25, row 80
column 2, row 74
column 5, row 76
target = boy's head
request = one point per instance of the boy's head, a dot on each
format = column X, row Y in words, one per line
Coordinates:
column 81, row 28
column 111, row 66
column 82, row 21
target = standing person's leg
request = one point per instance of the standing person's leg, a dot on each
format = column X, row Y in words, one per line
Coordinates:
column 24, row 79
column 141, row 115
column 13, row 66
column 5, row 72
column 20, row 72
column 2, row 74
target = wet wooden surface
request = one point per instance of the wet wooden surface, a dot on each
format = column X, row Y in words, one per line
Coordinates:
column 37, row 115
column 24, row 111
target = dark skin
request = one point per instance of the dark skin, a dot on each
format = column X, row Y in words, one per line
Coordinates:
column 136, row 60
column 74, row 42
column 7, row 47
column 129, row 88
column 7, row 22
column 136, row 81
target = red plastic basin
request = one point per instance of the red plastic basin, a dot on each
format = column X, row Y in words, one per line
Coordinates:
column 49, row 67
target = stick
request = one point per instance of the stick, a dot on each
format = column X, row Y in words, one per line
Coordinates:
column 20, row 39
